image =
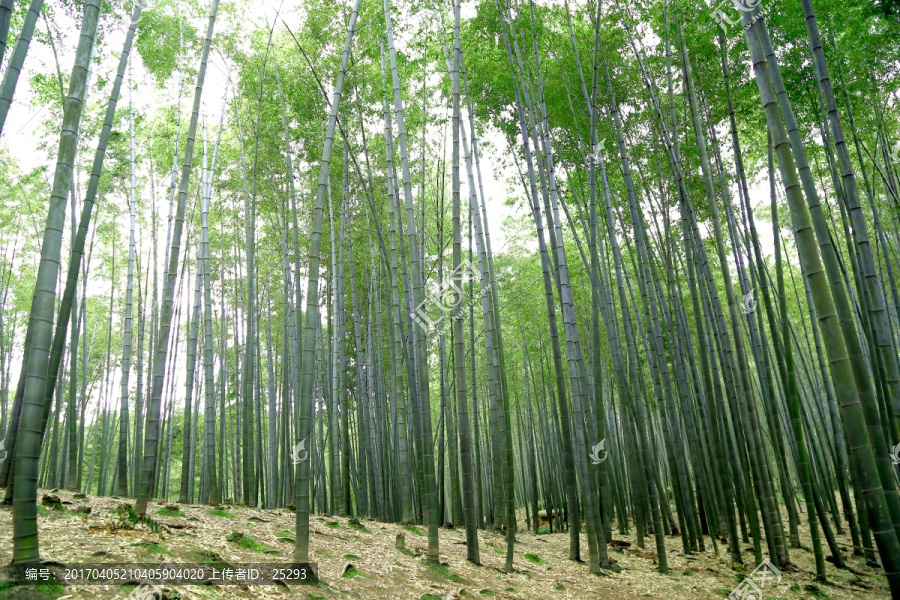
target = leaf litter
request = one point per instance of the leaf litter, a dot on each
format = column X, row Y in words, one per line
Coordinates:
column 194, row 533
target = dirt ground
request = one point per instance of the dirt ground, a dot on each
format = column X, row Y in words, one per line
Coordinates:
column 360, row 560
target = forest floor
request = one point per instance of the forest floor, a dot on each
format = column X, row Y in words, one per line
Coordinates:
column 195, row 534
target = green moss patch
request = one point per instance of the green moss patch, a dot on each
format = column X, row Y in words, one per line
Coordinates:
column 201, row 555
column 31, row 591
column 355, row 524
column 534, row 558
column 325, row 553
column 443, row 571
column 171, row 511
column 221, row 512
column 207, row 557
column 248, row 543
column 352, row 572
column 415, row 530
column 334, row 525
column 153, row 548
column 816, row 592
column 486, row 592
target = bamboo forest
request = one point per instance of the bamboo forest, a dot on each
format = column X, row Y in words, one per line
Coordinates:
column 434, row 299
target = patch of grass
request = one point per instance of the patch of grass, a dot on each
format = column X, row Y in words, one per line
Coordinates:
column 543, row 530
column 415, row 530
column 155, row 548
column 285, row 533
column 221, row 512
column 248, row 543
column 486, row 592
column 325, row 553
column 721, row 591
column 430, row 597
column 352, row 557
column 795, row 588
column 687, row 574
column 559, row 587
column 511, row 590
column 816, row 592
column 334, row 525
column 32, row 591
column 353, row 573
column 355, row 524
column 205, row 556
column 171, row 511
column 443, row 571
column 316, row 597
column 534, row 558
